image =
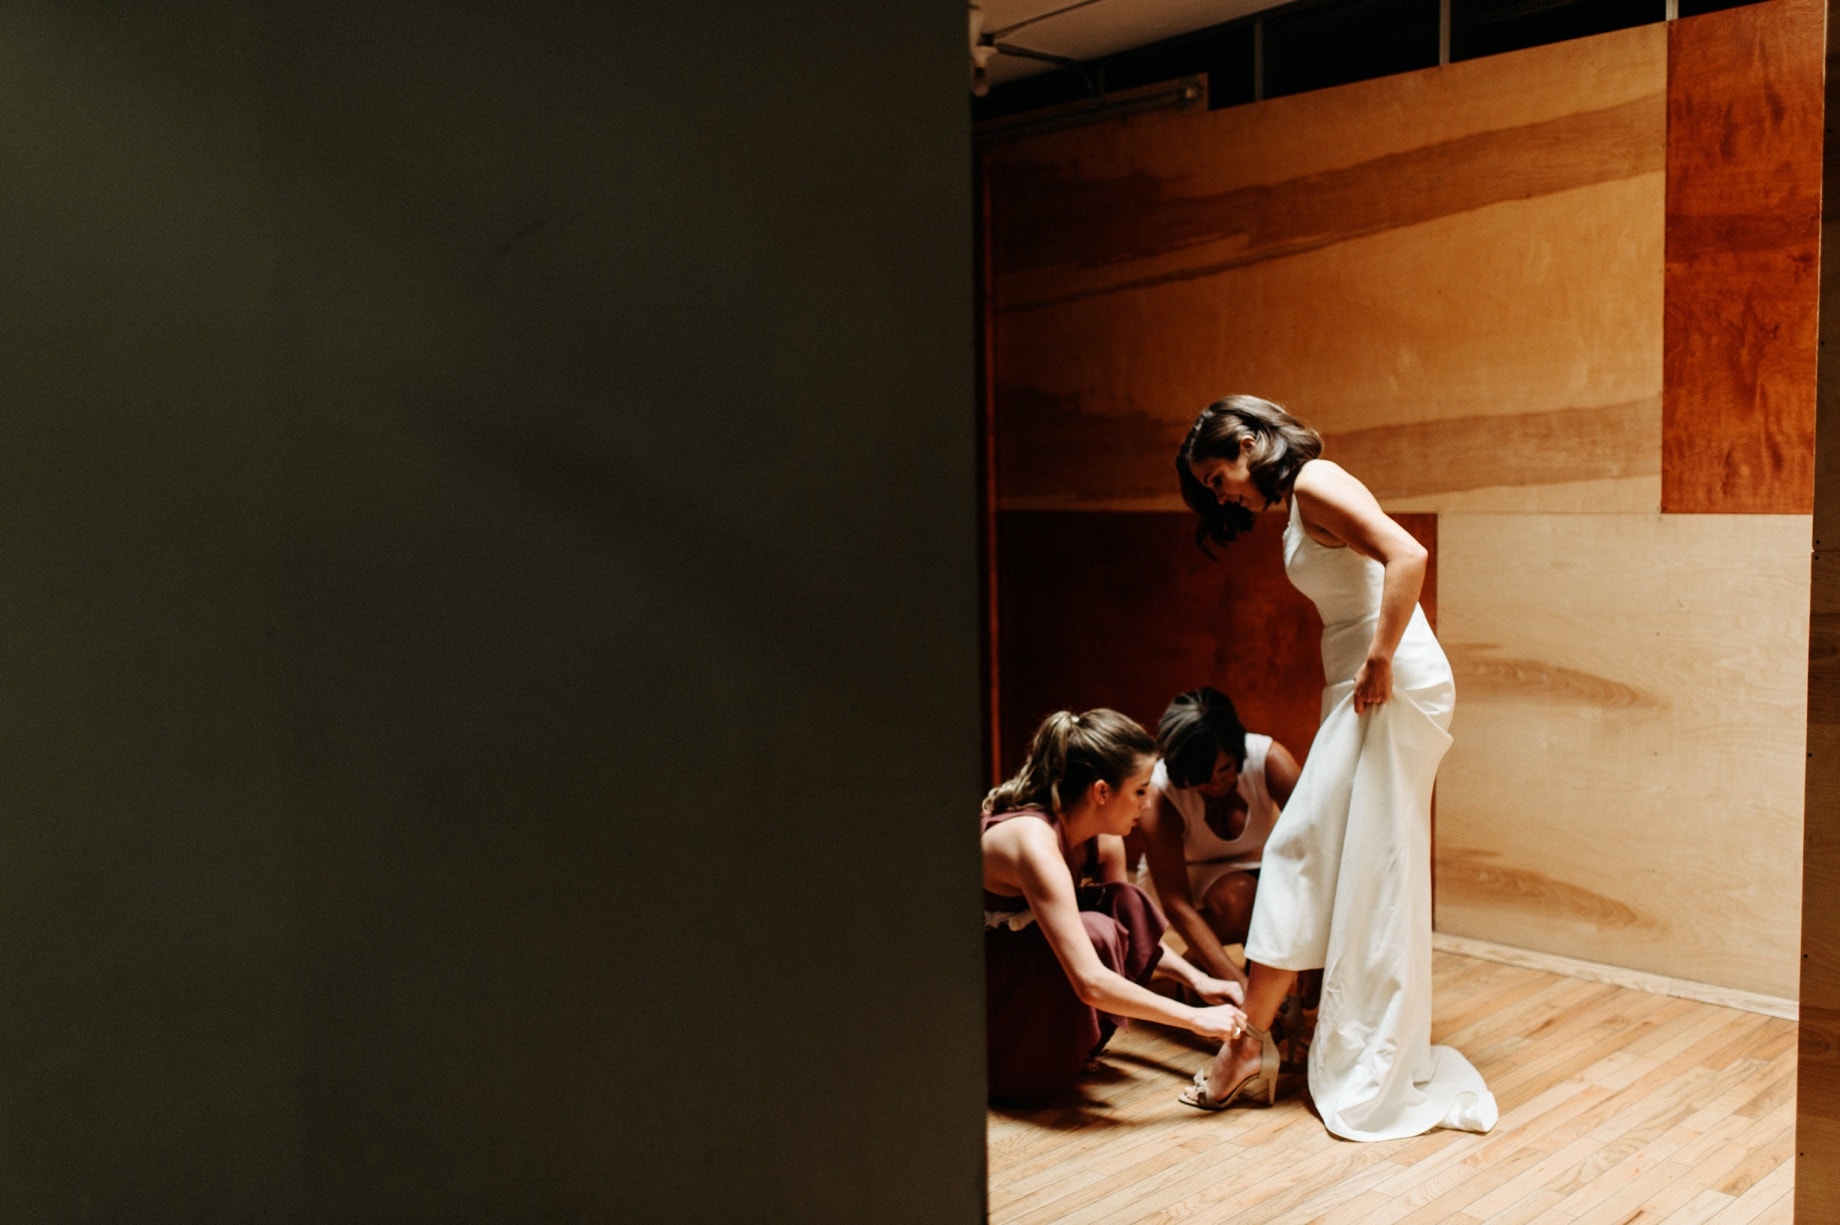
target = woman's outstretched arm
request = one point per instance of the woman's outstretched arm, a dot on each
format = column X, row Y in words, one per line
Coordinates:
column 1334, row 504
column 1173, row 967
column 1034, row 855
column 1162, row 829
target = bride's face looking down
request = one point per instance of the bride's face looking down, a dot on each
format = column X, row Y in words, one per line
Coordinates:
column 1230, row 481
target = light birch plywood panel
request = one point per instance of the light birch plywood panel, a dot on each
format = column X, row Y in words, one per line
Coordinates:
column 1626, row 783
column 1456, row 274
column 1180, row 194
column 1635, row 495
column 1515, row 346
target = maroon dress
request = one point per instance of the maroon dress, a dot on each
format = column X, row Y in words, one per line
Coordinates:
column 1038, row 1034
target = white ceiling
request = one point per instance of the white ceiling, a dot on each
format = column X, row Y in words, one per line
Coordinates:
column 1088, row 29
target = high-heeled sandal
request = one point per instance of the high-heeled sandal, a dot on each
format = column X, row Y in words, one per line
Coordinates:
column 1260, row 1084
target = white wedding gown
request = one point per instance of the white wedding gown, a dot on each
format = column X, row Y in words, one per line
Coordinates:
column 1346, row 881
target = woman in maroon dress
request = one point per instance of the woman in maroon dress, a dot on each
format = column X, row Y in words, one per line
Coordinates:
column 1068, row 942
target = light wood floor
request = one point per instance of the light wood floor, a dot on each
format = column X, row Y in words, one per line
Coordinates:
column 1617, row 1106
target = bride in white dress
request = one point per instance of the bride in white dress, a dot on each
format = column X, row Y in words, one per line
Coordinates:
column 1346, row 882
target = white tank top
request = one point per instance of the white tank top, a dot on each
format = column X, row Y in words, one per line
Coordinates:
column 1200, row 844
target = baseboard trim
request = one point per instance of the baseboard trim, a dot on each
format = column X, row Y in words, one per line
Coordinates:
column 1617, row 976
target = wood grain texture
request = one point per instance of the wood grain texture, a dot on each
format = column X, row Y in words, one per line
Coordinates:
column 1514, row 451
column 1743, row 230
column 1817, row 1128
column 1049, row 217
column 1818, row 1090
column 1122, row 610
column 1432, row 333
column 1631, row 495
column 1827, row 378
column 1626, row 782
column 1172, row 194
column 1819, row 1096
column 1625, row 786
column 1371, row 257
column 1817, row 1109
column 1617, row 1106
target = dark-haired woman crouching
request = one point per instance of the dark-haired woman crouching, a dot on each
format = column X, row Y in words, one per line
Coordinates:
column 1068, row 943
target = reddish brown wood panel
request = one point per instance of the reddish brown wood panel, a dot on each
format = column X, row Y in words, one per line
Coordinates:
column 1743, row 240
column 1121, row 609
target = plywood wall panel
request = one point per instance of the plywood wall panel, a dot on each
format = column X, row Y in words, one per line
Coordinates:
column 1125, row 243
column 1743, row 217
column 1101, row 204
column 1421, row 264
column 1462, row 277
column 1817, row 1103
column 1535, row 324
column 1821, row 839
column 1639, row 494
column 1827, row 380
column 1817, row 1135
column 1524, row 451
column 1122, row 610
column 1626, row 781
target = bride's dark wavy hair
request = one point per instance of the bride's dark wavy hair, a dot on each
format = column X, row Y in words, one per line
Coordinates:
column 1281, row 445
column 1068, row 755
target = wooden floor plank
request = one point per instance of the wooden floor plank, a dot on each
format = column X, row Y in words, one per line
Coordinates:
column 1700, row 1209
column 1349, row 1203
column 1441, row 1199
column 1310, row 1177
column 1764, row 1198
column 1626, row 1165
column 1511, row 996
column 1356, row 1211
column 1761, row 1164
column 1667, row 1186
column 1533, row 1206
column 1617, row 1106
column 1603, row 1028
column 1777, row 1093
column 1556, row 1118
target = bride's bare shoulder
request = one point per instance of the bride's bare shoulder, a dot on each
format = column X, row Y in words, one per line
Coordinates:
column 1324, row 478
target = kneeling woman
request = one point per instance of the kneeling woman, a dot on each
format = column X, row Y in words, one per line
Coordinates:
column 1068, row 943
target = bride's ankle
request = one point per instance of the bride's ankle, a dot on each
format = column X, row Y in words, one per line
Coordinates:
column 1247, row 1042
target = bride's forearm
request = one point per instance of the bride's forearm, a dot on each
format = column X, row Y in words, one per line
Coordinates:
column 1405, row 579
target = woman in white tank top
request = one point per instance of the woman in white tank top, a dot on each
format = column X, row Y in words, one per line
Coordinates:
column 1217, row 793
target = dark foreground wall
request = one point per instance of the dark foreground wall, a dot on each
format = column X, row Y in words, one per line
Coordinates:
column 487, row 614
